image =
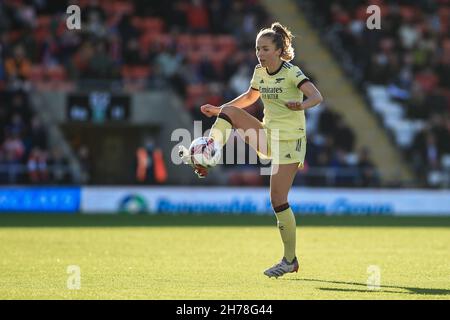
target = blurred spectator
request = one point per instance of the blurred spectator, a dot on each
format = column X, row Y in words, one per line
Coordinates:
column 38, row 134
column 426, row 151
column 343, row 136
column 235, row 17
column 79, row 64
column 4, row 172
column 367, row 170
column 18, row 69
column 3, row 120
column 239, row 82
column 197, row 17
column 85, row 162
column 318, row 178
column 177, row 19
column 131, row 53
column 157, row 79
column 94, row 7
column 218, row 15
column 100, row 65
column 95, row 24
column 37, row 166
column 203, row 50
column 13, row 147
column 443, row 66
column 23, row 140
column 126, row 28
column 12, row 152
column 95, row 21
column 343, row 177
column 169, row 62
column 327, row 120
column 115, row 49
column 206, row 70
column 431, row 151
column 59, row 167
column 409, row 57
column 16, row 125
column 19, row 105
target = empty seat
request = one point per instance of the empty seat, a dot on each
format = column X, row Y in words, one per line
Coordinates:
column 135, row 72
column 57, row 73
column 218, row 60
column 195, row 95
column 124, row 7
column 204, row 41
column 226, row 43
column 153, row 25
column 37, row 73
column 43, row 22
column 184, row 42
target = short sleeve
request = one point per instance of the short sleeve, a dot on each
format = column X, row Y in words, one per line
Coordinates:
column 254, row 83
column 298, row 77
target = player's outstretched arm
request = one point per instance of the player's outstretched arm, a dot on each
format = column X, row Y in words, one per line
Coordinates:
column 244, row 100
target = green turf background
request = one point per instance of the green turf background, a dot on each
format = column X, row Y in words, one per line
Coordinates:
column 221, row 257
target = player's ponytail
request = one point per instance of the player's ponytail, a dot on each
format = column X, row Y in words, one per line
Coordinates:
column 282, row 38
column 287, row 54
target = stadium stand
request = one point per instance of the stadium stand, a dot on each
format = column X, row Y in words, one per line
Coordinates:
column 129, row 44
column 403, row 70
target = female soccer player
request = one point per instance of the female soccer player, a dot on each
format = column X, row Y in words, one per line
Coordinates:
column 282, row 134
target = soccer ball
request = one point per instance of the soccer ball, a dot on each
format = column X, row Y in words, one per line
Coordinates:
column 204, row 153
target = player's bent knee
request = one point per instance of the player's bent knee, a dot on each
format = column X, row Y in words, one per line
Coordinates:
column 277, row 200
column 230, row 111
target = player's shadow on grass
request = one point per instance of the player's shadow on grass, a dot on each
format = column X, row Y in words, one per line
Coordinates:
column 409, row 290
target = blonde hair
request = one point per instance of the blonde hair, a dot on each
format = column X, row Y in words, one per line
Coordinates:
column 281, row 37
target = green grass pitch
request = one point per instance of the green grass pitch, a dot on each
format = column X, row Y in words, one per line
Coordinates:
column 221, row 257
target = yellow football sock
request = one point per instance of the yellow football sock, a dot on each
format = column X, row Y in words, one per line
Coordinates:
column 287, row 227
column 221, row 130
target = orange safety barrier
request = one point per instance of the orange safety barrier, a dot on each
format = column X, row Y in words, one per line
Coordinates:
column 160, row 167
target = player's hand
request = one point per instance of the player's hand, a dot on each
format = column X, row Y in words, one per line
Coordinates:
column 294, row 105
column 210, row 110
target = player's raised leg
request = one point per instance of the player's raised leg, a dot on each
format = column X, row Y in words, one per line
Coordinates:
column 228, row 118
column 232, row 117
column 280, row 184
